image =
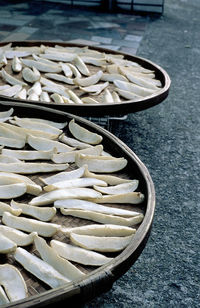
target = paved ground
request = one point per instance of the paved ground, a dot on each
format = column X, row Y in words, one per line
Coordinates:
column 165, row 137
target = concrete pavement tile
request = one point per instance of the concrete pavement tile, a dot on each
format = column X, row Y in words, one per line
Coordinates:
column 135, row 38
column 16, row 36
column 125, row 43
column 8, row 28
column 27, row 30
column 128, row 50
column 100, row 39
column 12, row 21
column 112, row 47
column 98, row 25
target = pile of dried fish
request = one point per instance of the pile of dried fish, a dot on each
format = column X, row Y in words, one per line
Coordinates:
column 75, row 177
column 72, row 75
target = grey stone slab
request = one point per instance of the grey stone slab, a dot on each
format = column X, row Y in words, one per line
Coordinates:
column 105, row 25
column 112, row 47
column 17, row 36
column 125, row 43
column 27, row 30
column 131, row 37
column 12, row 21
column 100, row 39
column 131, row 51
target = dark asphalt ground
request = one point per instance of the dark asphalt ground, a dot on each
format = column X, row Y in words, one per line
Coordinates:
column 166, row 138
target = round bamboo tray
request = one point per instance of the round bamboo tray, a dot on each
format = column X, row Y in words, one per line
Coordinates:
column 104, row 109
column 97, row 280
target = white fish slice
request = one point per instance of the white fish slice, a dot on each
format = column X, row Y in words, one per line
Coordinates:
column 7, row 159
column 12, row 190
column 56, row 89
column 40, row 213
column 105, row 230
column 74, row 142
column 59, row 125
column 46, row 82
column 36, row 126
column 31, row 168
column 11, row 91
column 112, row 77
column 44, row 97
column 138, row 90
column 36, row 88
column 83, row 134
column 79, row 63
column 58, row 56
column 6, row 245
column 116, row 97
column 44, row 144
column 29, row 155
column 94, row 61
column 95, row 89
column 136, row 69
column 7, row 132
column 60, row 194
column 141, row 81
column 63, row 266
column 132, row 198
column 74, row 97
column 16, row 65
column 89, row 100
column 42, row 270
column 64, row 176
column 25, row 132
column 112, row 69
column 42, row 60
column 10, row 79
column 103, row 218
column 60, row 78
column 10, row 54
column 21, row 94
column 92, row 206
column 70, row 157
column 13, row 282
column 101, row 164
column 66, row 69
column 2, row 120
column 33, row 97
column 3, row 60
column 29, row 225
column 3, row 297
column 88, row 81
column 32, row 187
column 12, row 143
column 119, row 189
column 42, row 67
column 4, row 207
column 107, row 97
column 78, row 254
column 82, row 182
column 74, row 70
column 128, row 94
column 17, row 236
column 101, row 244
column 4, row 87
column 30, row 75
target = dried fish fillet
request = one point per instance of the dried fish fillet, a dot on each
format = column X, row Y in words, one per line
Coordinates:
column 64, row 176
column 12, row 190
column 82, row 182
column 74, row 70
column 101, row 244
column 74, row 97
column 43, row 127
column 30, row 75
column 4, row 207
column 92, row 206
column 13, row 282
column 132, row 198
column 89, row 100
column 40, row 213
column 3, row 60
column 88, row 81
column 119, row 189
column 6, row 245
column 138, row 90
column 103, row 218
column 42, row 270
column 11, row 91
column 31, row 168
column 60, row 194
column 7, row 159
column 10, row 54
column 3, row 297
column 29, row 155
column 95, row 89
column 107, row 97
column 112, row 77
column 63, row 266
column 83, row 134
column 69, row 157
column 60, row 78
column 58, row 56
column 7, row 132
column 74, row 142
column 36, row 88
column 94, row 61
column 16, row 64
column 58, row 125
column 30, row 225
column 32, row 188
column 44, row 97
column 17, row 236
column 79, row 63
column 12, row 143
column 44, row 144
column 66, row 69
column 10, row 79
column 141, row 81
column 78, row 254
column 101, row 164
column 21, row 94
column 42, row 67
column 128, row 94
